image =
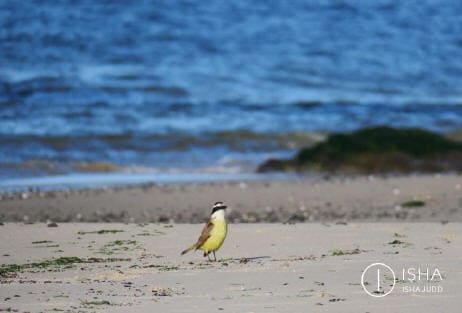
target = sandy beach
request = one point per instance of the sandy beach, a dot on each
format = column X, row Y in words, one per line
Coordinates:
column 423, row 198
column 293, row 246
column 260, row 268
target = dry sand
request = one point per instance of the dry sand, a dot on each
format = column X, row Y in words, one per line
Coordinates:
column 261, row 268
column 292, row 267
column 334, row 199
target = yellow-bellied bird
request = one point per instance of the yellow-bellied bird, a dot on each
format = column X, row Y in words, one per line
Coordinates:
column 214, row 232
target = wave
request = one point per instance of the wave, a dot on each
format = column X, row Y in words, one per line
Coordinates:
column 40, row 84
column 238, row 140
column 51, row 84
column 226, row 151
column 158, row 89
column 44, row 167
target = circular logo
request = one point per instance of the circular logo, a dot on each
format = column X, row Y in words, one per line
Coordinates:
column 378, row 280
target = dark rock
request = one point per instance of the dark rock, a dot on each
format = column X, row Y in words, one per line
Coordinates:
column 376, row 150
column 275, row 165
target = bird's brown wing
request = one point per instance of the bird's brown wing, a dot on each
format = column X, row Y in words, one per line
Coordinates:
column 204, row 235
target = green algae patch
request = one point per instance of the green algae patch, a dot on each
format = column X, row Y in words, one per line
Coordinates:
column 119, row 246
column 10, row 268
column 337, row 252
column 101, row 232
column 6, row 269
column 95, row 302
column 413, row 204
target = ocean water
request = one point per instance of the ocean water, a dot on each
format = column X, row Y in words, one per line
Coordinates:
column 215, row 86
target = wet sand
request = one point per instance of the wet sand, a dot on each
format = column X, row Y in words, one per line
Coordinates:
column 261, row 267
column 422, row 198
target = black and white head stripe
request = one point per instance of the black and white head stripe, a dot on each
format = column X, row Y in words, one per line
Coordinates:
column 218, row 206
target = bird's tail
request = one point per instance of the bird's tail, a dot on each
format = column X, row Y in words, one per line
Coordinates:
column 189, row 249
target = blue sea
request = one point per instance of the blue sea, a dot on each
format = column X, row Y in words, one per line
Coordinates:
column 215, row 86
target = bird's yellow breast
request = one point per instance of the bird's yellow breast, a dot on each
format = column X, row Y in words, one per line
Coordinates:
column 217, row 236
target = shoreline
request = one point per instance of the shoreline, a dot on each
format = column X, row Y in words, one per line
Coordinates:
column 411, row 198
column 84, row 181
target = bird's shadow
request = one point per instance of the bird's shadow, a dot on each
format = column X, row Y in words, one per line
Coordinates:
column 247, row 258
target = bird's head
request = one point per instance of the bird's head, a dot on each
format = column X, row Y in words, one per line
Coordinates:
column 218, row 211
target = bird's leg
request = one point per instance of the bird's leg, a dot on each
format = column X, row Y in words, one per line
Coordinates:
column 215, row 257
column 208, row 257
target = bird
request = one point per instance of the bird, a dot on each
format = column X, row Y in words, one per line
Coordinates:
column 214, row 233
